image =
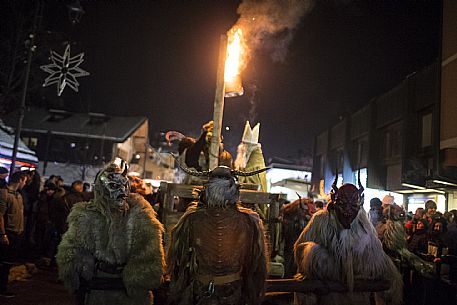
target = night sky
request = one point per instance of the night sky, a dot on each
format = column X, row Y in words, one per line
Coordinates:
column 158, row 59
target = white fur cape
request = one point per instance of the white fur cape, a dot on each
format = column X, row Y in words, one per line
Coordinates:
column 327, row 251
column 133, row 240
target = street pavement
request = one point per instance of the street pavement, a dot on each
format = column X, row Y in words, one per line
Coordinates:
column 41, row 289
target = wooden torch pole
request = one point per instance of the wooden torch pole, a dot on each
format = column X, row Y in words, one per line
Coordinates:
column 218, row 105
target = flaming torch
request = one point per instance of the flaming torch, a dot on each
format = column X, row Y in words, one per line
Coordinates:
column 234, row 64
column 228, row 84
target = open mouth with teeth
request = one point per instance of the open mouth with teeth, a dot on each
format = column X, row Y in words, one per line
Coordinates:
column 121, row 196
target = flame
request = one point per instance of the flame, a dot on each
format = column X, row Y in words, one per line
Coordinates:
column 233, row 61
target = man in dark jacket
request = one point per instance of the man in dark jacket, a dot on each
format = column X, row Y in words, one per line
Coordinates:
column 75, row 195
column 3, row 174
column 11, row 227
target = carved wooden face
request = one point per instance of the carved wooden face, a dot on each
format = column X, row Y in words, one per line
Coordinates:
column 114, row 185
column 347, row 204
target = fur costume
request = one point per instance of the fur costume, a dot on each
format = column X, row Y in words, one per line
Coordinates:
column 217, row 250
column 295, row 216
column 327, row 251
column 129, row 239
column 392, row 234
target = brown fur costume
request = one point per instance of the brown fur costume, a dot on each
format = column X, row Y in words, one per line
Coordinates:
column 327, row 251
column 392, row 234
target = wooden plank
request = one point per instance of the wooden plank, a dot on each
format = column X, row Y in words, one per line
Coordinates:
column 250, row 197
column 324, row 287
column 246, row 196
column 183, row 190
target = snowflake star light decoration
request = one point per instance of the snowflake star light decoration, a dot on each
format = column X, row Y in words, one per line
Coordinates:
column 64, row 70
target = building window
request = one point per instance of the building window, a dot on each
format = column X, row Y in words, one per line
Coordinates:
column 392, row 142
column 30, row 142
column 33, row 142
column 426, row 139
column 320, row 166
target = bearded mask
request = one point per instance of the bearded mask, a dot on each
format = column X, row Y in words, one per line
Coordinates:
column 346, row 202
column 112, row 184
column 394, row 212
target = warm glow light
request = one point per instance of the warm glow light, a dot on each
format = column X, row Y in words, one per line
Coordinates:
column 234, row 55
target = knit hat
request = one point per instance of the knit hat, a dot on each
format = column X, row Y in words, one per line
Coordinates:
column 430, row 204
column 50, row 186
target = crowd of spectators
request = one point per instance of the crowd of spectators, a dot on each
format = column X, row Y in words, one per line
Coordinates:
column 33, row 215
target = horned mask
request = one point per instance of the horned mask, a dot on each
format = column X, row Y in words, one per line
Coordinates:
column 112, row 184
column 346, row 201
column 222, row 187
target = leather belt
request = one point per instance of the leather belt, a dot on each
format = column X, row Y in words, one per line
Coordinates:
column 109, row 268
column 219, row 279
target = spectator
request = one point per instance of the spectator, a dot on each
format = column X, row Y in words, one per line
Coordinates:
column 69, row 200
column 418, row 242
column 31, row 192
column 57, row 225
column 59, row 181
column 451, row 241
column 419, row 214
column 75, row 195
column 375, row 212
column 3, row 175
column 87, row 193
column 42, row 215
column 319, row 205
column 86, row 187
column 11, row 227
column 436, row 243
column 448, row 215
column 409, row 225
column 430, row 210
column 451, row 236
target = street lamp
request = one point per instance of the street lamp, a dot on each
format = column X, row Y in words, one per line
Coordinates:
column 75, row 12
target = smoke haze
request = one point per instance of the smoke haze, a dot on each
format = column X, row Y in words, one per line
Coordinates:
column 271, row 19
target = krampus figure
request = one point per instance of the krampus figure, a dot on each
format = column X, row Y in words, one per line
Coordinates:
column 295, row 216
column 115, row 239
column 217, row 251
column 340, row 244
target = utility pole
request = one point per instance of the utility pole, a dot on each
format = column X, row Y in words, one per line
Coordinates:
column 31, row 49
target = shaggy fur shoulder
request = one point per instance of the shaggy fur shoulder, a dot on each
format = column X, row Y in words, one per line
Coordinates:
column 74, row 256
column 325, row 250
column 133, row 240
column 146, row 264
column 311, row 248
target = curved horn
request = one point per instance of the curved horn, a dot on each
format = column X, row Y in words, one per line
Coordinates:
column 246, row 174
column 190, row 171
column 126, row 168
column 299, row 197
column 361, row 189
column 334, row 187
